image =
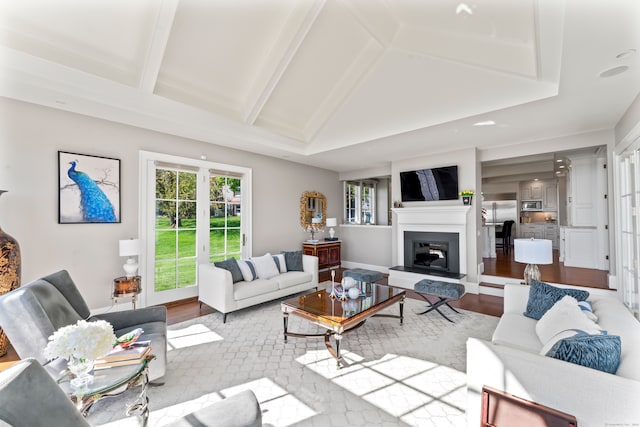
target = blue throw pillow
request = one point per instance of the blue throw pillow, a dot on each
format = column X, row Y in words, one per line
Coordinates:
column 232, row 266
column 543, row 296
column 293, row 260
column 601, row 352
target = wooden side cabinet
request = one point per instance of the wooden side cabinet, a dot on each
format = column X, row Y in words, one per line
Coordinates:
column 328, row 253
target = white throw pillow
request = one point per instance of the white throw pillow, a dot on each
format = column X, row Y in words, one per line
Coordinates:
column 586, row 308
column 281, row 262
column 265, row 266
column 247, row 269
column 564, row 315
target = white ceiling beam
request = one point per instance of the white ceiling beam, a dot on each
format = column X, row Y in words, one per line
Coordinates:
column 159, row 39
column 344, row 88
column 375, row 17
column 300, row 22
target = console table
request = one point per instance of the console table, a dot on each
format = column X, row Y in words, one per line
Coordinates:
column 328, row 252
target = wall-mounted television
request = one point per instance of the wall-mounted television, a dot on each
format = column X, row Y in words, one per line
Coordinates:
column 429, row 184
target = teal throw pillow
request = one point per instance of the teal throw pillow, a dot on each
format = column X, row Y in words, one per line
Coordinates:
column 543, row 296
column 293, row 260
column 601, row 352
column 232, row 266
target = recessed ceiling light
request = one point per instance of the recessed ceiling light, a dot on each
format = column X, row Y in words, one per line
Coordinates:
column 561, row 166
column 614, row 71
column 485, row 123
column 625, row 53
column 559, row 161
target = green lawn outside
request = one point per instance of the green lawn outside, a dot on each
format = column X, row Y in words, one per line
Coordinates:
column 186, row 245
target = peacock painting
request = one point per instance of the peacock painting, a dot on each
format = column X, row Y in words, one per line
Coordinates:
column 89, row 189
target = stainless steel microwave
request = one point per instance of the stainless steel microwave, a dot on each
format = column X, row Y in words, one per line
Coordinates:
column 531, row 205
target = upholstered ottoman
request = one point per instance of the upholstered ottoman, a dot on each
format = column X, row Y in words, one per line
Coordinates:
column 445, row 292
column 363, row 276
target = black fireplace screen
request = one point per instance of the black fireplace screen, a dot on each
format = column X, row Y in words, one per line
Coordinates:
column 432, row 251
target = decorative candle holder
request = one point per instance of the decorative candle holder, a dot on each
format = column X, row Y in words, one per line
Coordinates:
column 332, row 294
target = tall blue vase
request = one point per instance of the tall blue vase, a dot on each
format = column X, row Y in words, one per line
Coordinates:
column 9, row 273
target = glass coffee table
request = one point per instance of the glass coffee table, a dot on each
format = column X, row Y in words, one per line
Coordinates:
column 340, row 316
column 112, row 382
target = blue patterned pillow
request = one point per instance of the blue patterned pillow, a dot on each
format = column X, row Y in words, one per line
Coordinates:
column 543, row 296
column 601, row 352
column 232, row 266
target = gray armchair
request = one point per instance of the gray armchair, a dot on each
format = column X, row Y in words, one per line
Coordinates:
column 31, row 398
column 33, row 312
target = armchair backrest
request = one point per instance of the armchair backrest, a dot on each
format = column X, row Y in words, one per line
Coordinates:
column 30, row 397
column 33, row 312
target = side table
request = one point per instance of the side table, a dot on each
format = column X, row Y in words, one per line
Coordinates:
column 127, row 287
column 112, row 382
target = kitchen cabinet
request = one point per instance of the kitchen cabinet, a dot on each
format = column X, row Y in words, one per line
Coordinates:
column 535, row 231
column 328, row 253
column 552, row 232
column 550, row 196
column 547, row 191
column 582, row 194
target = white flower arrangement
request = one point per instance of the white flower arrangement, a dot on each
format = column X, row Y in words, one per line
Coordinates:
column 83, row 341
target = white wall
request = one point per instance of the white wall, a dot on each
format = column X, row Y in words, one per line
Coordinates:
column 366, row 245
column 30, row 138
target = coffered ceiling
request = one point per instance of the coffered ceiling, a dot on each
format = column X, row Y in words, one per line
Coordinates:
column 341, row 84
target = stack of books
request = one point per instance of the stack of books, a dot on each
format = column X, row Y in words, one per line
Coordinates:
column 122, row 356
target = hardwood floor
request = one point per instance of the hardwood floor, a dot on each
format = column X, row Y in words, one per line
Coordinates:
column 505, row 266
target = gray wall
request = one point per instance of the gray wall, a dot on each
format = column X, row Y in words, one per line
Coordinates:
column 30, row 138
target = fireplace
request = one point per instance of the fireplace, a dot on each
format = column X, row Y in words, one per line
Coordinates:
column 444, row 229
column 433, row 252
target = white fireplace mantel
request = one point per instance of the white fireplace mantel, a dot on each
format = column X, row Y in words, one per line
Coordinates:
column 440, row 219
column 445, row 215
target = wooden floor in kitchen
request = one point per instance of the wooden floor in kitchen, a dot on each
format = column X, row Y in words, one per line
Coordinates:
column 505, row 266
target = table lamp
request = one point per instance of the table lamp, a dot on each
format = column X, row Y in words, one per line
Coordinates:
column 130, row 248
column 332, row 222
column 532, row 252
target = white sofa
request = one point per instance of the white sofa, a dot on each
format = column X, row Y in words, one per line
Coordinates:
column 218, row 291
column 512, row 363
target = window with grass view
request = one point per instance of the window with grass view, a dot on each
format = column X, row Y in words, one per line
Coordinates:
column 224, row 218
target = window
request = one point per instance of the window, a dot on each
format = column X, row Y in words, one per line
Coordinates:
column 360, row 202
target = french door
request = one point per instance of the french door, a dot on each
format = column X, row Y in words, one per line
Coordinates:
column 192, row 212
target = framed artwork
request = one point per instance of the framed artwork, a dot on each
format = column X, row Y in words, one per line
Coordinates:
column 88, row 189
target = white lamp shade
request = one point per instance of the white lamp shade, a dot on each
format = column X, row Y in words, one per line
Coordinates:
column 129, row 247
column 332, row 222
column 533, row 251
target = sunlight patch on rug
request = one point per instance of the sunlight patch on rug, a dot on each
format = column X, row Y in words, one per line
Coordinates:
column 414, row 390
column 190, row 336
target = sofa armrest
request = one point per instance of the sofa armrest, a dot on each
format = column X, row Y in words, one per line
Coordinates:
column 310, row 265
column 127, row 318
column 595, row 398
column 215, row 288
column 515, row 298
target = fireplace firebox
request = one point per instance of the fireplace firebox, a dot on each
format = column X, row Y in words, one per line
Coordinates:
column 432, row 251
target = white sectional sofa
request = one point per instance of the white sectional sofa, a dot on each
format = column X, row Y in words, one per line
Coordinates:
column 218, row 291
column 512, row 363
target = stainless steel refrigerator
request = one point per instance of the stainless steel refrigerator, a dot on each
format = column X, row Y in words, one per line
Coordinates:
column 500, row 211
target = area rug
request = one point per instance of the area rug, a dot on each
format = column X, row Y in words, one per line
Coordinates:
column 411, row 374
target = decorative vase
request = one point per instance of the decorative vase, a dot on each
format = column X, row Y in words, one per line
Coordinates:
column 354, row 293
column 9, row 273
column 466, row 200
column 80, row 368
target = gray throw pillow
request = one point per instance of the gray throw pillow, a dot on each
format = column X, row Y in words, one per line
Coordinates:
column 293, row 260
column 543, row 296
column 232, row 266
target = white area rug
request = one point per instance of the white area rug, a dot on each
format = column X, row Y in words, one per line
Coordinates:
column 411, row 375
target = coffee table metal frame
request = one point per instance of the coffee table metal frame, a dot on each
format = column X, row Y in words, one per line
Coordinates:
column 113, row 382
column 338, row 325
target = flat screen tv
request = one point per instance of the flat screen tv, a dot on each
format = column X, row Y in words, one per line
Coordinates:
column 429, row 184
